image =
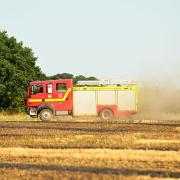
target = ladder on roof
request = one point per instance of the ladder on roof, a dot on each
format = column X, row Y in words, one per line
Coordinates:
column 108, row 82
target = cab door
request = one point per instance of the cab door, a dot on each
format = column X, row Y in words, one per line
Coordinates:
column 36, row 94
column 59, row 94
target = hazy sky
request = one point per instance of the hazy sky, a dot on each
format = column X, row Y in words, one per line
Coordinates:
column 104, row 38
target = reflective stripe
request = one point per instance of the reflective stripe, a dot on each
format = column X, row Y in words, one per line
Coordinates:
column 35, row 100
column 137, row 99
column 59, row 99
column 53, row 99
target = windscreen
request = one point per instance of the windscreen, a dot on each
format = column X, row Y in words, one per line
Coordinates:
column 36, row 89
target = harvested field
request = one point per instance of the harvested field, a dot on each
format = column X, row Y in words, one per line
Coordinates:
column 90, row 150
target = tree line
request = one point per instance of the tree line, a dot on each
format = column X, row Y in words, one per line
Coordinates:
column 17, row 67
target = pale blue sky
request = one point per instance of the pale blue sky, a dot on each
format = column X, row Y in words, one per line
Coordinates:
column 104, row 38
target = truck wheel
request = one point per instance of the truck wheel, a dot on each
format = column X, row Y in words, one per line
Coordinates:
column 45, row 115
column 106, row 114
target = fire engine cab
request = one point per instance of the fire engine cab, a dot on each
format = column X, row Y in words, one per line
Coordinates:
column 105, row 98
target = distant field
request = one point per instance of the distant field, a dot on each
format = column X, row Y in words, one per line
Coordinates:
column 82, row 149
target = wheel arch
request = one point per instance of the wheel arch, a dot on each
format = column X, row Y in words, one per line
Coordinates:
column 46, row 106
column 112, row 108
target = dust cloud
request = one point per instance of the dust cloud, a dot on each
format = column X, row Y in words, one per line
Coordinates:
column 159, row 100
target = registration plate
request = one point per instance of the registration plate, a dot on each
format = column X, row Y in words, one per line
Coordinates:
column 32, row 112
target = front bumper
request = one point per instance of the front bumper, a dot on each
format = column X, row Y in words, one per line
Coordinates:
column 32, row 111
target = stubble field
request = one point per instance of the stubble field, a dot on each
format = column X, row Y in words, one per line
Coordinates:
column 90, row 150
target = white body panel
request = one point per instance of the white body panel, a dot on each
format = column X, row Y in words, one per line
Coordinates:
column 84, row 103
column 106, row 97
column 126, row 101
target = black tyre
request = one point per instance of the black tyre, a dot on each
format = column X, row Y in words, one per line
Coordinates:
column 46, row 115
column 106, row 114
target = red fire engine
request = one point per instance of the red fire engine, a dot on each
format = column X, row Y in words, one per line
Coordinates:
column 105, row 98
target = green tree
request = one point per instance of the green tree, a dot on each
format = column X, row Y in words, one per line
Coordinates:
column 82, row 78
column 71, row 76
column 62, row 76
column 17, row 67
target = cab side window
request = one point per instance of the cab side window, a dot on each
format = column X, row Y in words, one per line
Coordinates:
column 36, row 89
column 61, row 87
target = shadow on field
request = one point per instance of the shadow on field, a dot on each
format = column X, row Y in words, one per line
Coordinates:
column 92, row 170
column 107, row 129
column 11, row 135
column 118, row 129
